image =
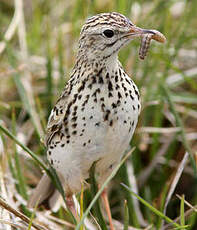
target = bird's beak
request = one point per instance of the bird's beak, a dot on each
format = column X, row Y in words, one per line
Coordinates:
column 138, row 32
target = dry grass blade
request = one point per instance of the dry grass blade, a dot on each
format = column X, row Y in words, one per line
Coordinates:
column 8, row 222
column 133, row 182
column 158, row 130
column 11, row 30
column 184, row 110
column 59, row 221
column 20, row 215
column 176, row 78
column 42, row 217
column 175, row 180
column 187, row 203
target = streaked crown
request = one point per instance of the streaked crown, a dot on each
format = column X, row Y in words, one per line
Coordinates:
column 114, row 19
column 103, row 35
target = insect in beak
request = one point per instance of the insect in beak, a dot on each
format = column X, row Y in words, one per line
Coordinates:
column 146, row 37
column 156, row 35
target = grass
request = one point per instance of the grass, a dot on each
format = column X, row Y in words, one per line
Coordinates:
column 167, row 80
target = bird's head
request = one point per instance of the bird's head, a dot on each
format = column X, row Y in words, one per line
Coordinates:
column 104, row 34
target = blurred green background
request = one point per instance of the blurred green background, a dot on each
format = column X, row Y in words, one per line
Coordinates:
column 38, row 44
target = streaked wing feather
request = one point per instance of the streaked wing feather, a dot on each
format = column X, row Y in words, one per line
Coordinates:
column 57, row 115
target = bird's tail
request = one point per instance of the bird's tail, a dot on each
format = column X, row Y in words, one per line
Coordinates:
column 46, row 194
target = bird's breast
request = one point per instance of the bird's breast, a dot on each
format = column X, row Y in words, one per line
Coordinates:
column 101, row 117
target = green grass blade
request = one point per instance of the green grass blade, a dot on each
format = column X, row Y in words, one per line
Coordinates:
column 33, row 214
column 33, row 155
column 61, row 61
column 153, row 209
column 81, row 204
column 25, row 100
column 182, row 211
column 126, row 216
column 20, row 176
column 49, row 82
column 96, row 208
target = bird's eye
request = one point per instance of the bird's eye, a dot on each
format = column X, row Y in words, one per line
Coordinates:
column 108, row 33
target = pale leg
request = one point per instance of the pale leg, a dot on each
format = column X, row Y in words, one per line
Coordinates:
column 107, row 208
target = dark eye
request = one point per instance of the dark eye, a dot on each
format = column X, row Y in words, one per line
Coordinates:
column 108, row 33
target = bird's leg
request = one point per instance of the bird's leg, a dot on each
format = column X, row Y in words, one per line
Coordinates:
column 107, row 208
column 71, row 206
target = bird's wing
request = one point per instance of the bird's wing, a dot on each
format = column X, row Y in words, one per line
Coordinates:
column 57, row 114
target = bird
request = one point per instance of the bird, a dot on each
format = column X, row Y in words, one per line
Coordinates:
column 96, row 114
